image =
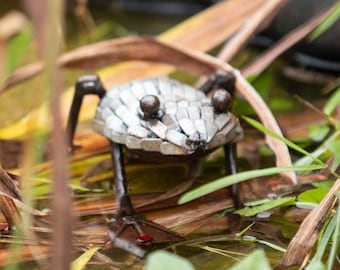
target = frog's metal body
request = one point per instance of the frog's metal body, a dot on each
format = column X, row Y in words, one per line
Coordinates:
column 187, row 121
column 164, row 118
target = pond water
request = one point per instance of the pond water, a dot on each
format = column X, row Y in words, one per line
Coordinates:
column 205, row 252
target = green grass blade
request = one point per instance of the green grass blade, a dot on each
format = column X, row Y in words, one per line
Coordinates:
column 327, row 23
column 332, row 102
column 290, row 144
column 335, row 239
column 324, row 240
column 236, row 178
column 271, row 245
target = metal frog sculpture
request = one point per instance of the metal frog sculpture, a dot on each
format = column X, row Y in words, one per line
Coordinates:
column 164, row 118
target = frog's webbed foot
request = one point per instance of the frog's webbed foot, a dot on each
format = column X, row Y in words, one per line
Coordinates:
column 131, row 233
column 125, row 226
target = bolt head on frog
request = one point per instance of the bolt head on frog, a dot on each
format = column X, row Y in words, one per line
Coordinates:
column 159, row 116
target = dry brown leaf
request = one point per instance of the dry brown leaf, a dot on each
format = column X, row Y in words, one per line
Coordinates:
column 254, row 24
column 125, row 49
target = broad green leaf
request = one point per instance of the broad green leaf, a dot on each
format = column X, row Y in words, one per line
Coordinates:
column 326, row 24
column 255, row 261
column 313, row 195
column 252, row 211
column 83, row 259
column 163, row 260
column 239, row 177
column 332, row 102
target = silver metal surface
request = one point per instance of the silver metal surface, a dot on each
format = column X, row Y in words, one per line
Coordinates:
column 133, row 142
column 194, row 113
column 151, row 144
column 187, row 126
column 185, row 119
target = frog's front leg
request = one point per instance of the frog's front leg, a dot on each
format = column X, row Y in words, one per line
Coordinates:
column 85, row 85
column 128, row 226
column 126, row 215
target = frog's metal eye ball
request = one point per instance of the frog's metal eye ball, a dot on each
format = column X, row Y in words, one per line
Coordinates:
column 221, row 101
column 149, row 105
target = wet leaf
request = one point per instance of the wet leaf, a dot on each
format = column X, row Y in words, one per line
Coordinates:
column 256, row 261
column 83, row 259
column 163, row 260
column 252, row 211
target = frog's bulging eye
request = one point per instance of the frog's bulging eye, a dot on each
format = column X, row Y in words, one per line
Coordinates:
column 221, row 101
column 149, row 104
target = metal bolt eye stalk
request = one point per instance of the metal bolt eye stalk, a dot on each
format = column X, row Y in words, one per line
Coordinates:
column 150, row 104
column 221, row 101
